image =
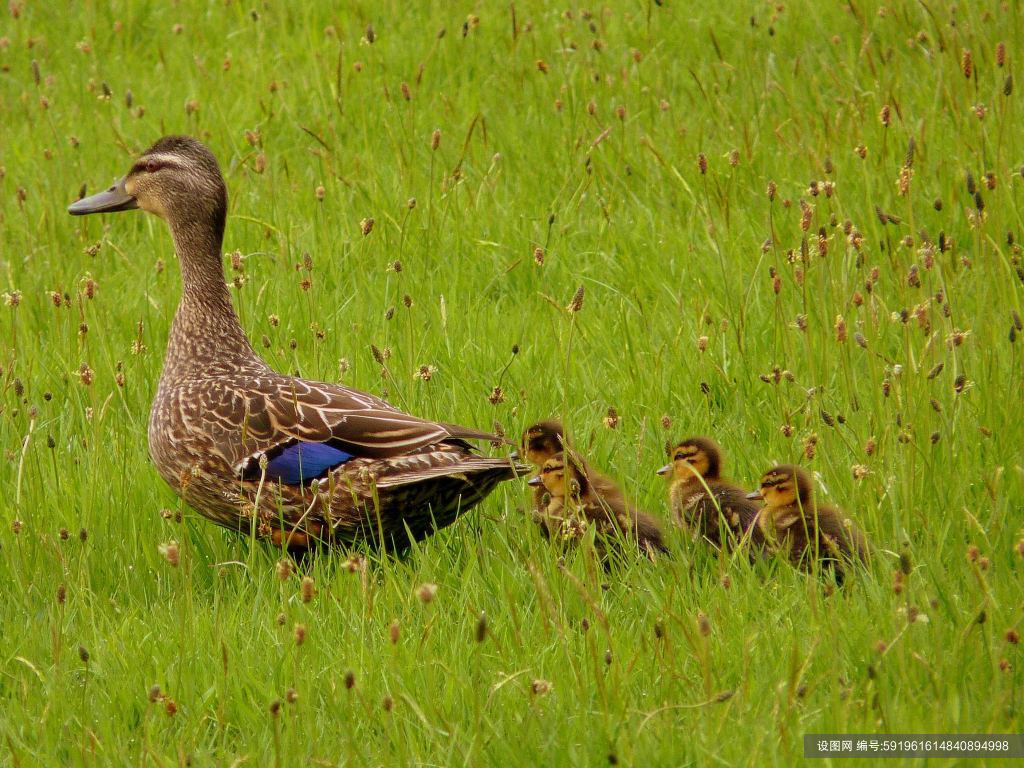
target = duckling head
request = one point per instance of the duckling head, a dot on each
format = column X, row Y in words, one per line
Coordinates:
column 176, row 178
column 561, row 477
column 694, row 457
column 541, row 441
column 784, row 486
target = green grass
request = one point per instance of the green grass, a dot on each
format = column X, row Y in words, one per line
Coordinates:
column 667, row 255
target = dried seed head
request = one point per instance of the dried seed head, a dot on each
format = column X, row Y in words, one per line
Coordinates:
column 300, row 634
column 155, row 694
column 283, row 569
column 425, row 372
column 611, row 419
column 884, row 117
column 427, row 592
column 170, row 552
column 810, row 446
column 576, row 304
column 394, row 632
column 702, row 163
column 772, row 190
column 703, row 624
column 62, row 594
column 538, row 256
column 840, row 328
column 967, row 63
column 307, row 589
column 275, row 708
column 320, row 192
column 540, row 687
column 366, row 226
column 481, row 627
column 350, row 680
column 291, row 696
column 497, row 396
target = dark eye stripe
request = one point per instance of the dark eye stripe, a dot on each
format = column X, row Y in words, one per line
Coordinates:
column 148, row 166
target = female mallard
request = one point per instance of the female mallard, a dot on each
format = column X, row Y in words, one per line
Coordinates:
column 292, row 460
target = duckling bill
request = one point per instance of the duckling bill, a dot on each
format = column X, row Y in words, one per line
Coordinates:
column 706, row 504
column 807, row 532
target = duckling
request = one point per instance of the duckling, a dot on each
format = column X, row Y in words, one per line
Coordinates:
column 542, row 441
column 704, row 502
column 794, row 522
column 573, row 505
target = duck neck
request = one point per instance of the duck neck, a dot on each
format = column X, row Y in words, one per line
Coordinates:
column 205, row 331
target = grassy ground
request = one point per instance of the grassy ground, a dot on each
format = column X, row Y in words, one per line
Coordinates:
column 629, row 151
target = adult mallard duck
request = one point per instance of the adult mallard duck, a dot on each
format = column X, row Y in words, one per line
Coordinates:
column 807, row 532
column 289, row 459
column 705, row 503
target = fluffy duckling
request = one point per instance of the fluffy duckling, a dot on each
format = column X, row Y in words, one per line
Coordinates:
column 545, row 438
column 795, row 523
column 573, row 504
column 542, row 441
column 705, row 503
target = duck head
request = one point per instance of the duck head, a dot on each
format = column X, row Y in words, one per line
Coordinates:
column 541, row 441
column 694, row 457
column 177, row 178
column 561, row 478
column 784, row 486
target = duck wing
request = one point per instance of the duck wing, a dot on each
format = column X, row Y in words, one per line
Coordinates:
column 269, row 414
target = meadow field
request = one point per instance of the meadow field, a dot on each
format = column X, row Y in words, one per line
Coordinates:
column 796, row 228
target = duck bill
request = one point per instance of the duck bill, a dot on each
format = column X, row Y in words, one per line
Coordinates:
column 755, row 496
column 113, row 199
column 534, row 481
column 665, row 470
